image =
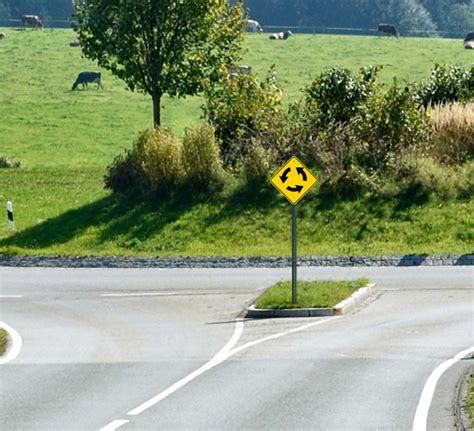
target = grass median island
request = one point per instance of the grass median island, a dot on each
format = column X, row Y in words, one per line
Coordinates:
column 310, row 294
column 3, row 341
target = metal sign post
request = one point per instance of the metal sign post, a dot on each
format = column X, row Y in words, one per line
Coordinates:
column 293, row 255
column 293, row 180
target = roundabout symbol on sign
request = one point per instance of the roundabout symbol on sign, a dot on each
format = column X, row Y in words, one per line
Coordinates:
column 294, row 180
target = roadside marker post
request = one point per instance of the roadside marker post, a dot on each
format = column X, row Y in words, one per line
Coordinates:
column 11, row 223
column 294, row 180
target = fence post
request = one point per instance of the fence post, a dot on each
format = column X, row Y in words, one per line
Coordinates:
column 11, row 223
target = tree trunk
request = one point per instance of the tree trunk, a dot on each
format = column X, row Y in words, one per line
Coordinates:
column 156, row 109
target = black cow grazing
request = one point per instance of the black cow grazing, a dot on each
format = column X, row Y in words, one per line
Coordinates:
column 85, row 78
column 283, row 35
column 31, row 20
column 469, row 37
column 388, row 29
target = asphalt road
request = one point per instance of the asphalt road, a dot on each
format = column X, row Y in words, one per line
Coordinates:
column 98, row 344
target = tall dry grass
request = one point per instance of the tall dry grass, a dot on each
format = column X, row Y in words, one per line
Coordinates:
column 452, row 133
column 459, row 113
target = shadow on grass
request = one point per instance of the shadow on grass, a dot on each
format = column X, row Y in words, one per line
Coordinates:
column 135, row 219
column 114, row 216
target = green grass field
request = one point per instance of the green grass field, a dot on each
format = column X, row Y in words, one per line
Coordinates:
column 64, row 141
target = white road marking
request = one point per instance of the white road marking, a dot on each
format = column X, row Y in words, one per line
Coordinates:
column 422, row 410
column 280, row 334
column 120, row 295
column 224, row 354
column 16, row 344
column 10, row 296
column 112, row 426
column 219, row 357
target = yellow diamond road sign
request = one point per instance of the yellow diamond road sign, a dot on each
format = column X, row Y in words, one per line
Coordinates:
column 294, row 180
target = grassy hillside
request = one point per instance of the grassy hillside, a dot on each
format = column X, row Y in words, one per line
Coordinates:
column 64, row 140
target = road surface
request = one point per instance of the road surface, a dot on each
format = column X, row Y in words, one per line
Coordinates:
column 134, row 349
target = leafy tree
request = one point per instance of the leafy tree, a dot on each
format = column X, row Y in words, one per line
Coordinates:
column 159, row 47
column 409, row 15
column 4, row 10
column 461, row 18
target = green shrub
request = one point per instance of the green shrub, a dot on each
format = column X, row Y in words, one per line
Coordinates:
column 124, row 173
column 466, row 183
column 391, row 127
column 337, row 95
column 422, row 178
column 160, row 155
column 240, row 108
column 153, row 165
column 258, row 164
column 446, row 84
column 201, row 157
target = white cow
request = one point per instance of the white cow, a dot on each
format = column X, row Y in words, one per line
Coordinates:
column 235, row 71
column 253, row 26
column 283, row 35
column 3, row 35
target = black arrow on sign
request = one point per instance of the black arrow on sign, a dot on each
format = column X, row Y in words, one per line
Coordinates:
column 284, row 175
column 295, row 189
column 301, row 171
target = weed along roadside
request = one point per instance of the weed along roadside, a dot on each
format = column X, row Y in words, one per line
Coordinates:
column 315, row 298
column 3, row 341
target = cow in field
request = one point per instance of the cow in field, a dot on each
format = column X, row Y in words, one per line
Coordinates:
column 85, row 78
column 388, row 29
column 235, row 71
column 75, row 43
column 253, row 26
column 469, row 41
column 3, row 35
column 31, row 20
column 283, row 35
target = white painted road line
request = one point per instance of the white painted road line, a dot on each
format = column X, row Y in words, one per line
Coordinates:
column 219, row 357
column 224, row 354
column 112, row 426
column 16, row 343
column 138, row 294
column 279, row 335
column 421, row 415
column 10, row 296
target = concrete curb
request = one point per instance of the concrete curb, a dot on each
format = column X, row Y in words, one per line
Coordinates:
column 354, row 300
column 14, row 343
column 339, row 309
column 461, row 416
